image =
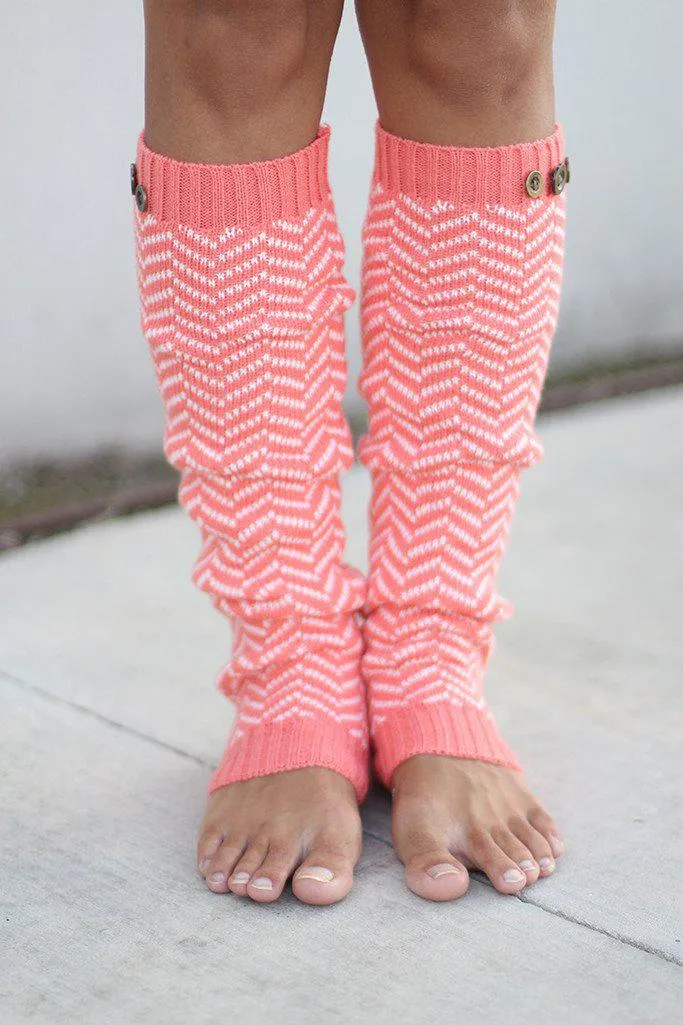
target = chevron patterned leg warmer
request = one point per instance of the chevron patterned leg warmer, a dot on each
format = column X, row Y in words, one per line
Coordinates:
column 461, row 282
column 242, row 293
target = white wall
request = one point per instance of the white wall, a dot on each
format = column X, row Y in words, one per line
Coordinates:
column 74, row 372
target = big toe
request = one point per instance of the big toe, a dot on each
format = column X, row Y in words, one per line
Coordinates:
column 326, row 874
column 431, row 870
column 436, row 875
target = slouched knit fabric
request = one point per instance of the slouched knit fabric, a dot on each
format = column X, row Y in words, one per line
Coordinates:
column 242, row 294
column 461, row 283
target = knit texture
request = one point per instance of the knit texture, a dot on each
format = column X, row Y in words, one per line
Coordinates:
column 461, row 284
column 243, row 296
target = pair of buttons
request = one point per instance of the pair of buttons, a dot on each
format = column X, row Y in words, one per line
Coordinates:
column 559, row 179
column 533, row 184
column 139, row 191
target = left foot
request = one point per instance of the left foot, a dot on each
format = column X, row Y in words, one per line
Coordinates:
column 451, row 814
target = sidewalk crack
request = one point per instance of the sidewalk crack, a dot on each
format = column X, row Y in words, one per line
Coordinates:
column 646, row 948
column 84, row 710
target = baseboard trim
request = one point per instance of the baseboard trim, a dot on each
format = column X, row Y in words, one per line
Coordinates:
column 560, row 394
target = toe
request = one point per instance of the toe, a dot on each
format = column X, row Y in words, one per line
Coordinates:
column 245, row 866
column 326, row 874
column 436, row 875
column 221, row 865
column 268, row 879
column 210, row 839
column 542, row 822
column 502, row 870
column 545, row 825
column 518, row 852
column 537, row 844
column 431, row 870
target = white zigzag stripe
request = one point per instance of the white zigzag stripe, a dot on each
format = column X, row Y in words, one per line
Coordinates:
column 458, row 315
column 246, row 333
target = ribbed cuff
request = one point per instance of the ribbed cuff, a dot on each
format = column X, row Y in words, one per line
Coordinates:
column 294, row 744
column 465, row 176
column 215, row 196
column 441, row 728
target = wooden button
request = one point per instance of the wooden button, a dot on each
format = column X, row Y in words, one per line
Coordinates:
column 559, row 179
column 534, row 184
column 140, row 198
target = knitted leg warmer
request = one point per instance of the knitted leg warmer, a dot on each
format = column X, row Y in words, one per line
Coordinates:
column 461, row 282
column 240, row 276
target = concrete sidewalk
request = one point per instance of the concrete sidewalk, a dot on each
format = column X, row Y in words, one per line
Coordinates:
column 110, row 727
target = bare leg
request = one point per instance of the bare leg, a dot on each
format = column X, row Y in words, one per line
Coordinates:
column 464, row 73
column 461, row 72
column 236, row 81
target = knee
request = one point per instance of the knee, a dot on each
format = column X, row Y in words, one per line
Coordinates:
column 473, row 52
column 244, row 47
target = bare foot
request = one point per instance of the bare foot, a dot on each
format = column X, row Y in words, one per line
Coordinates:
column 450, row 814
column 255, row 834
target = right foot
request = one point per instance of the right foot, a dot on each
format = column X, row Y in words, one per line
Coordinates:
column 257, row 833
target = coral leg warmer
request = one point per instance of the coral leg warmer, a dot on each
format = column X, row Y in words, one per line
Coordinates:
column 242, row 293
column 461, row 282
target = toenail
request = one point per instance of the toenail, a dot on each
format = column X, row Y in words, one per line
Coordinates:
column 204, row 864
column 261, row 883
column 443, row 870
column 557, row 841
column 217, row 877
column 321, row 875
column 513, row 875
column 240, row 878
column 527, row 865
column 547, row 864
